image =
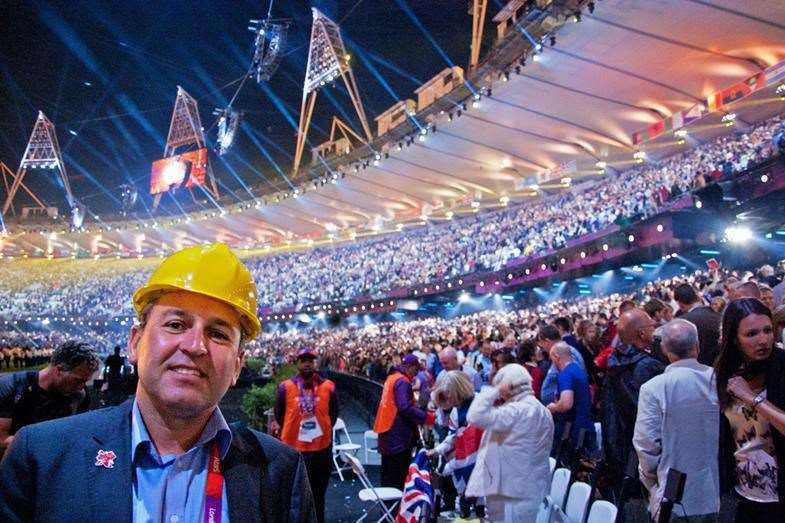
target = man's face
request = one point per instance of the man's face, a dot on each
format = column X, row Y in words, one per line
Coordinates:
column 767, row 297
column 449, row 362
column 69, row 382
column 546, row 344
column 646, row 332
column 188, row 353
column 305, row 366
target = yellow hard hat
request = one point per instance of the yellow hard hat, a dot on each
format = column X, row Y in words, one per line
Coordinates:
column 211, row 270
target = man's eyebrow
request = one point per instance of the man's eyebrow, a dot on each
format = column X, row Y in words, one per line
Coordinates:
column 221, row 323
column 180, row 313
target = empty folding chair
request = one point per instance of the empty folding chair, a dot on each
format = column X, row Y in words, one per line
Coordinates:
column 386, row 498
column 552, row 463
column 370, row 436
column 578, row 502
column 602, row 512
column 339, row 447
column 559, row 485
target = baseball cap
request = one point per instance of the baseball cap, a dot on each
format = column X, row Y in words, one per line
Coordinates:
column 411, row 359
column 306, row 352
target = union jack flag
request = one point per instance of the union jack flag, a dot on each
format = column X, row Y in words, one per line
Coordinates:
column 417, row 500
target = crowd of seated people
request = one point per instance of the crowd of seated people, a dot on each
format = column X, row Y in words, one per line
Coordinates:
column 98, row 289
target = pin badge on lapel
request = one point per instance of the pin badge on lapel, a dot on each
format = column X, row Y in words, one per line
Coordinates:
column 105, row 458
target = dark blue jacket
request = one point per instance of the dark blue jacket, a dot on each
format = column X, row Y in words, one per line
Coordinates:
column 49, row 473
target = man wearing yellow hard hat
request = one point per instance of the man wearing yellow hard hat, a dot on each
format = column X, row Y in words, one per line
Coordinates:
column 168, row 455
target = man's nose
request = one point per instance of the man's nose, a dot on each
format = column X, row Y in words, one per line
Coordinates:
column 193, row 342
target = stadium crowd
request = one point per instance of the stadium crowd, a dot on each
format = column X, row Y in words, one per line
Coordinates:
column 97, row 289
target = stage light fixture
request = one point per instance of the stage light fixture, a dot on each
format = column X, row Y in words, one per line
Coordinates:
column 738, row 234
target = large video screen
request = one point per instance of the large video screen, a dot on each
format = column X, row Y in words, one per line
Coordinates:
column 169, row 173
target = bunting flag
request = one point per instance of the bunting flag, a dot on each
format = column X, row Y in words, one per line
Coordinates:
column 417, row 500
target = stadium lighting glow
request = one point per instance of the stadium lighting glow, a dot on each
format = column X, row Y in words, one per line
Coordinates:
column 464, row 297
column 764, row 178
column 738, row 234
column 698, row 204
column 630, row 238
column 601, row 164
column 680, row 133
column 659, row 227
column 174, row 172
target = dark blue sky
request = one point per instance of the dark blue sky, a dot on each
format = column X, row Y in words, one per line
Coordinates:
column 133, row 54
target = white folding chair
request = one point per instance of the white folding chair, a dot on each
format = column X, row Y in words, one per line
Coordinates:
column 552, row 464
column 386, row 498
column 578, row 502
column 338, row 448
column 559, row 485
column 602, row 512
column 370, row 436
column 544, row 512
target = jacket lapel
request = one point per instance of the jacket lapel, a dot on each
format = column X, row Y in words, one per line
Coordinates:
column 109, row 480
column 244, row 469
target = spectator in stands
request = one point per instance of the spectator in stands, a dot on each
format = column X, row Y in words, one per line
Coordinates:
column 704, row 318
column 449, row 360
column 306, row 409
column 778, row 321
column 678, row 427
column 56, row 391
column 574, row 399
column 547, row 337
column 397, row 420
column 718, row 304
column 455, row 394
column 527, row 357
column 751, row 389
column 659, row 311
column 500, row 358
column 483, row 363
column 512, row 470
column 766, row 296
column 564, row 325
column 747, row 289
column 629, row 366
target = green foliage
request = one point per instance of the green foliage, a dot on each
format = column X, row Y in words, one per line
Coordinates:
column 258, row 400
column 255, row 364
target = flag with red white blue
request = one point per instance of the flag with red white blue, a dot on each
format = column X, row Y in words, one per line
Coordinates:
column 417, row 501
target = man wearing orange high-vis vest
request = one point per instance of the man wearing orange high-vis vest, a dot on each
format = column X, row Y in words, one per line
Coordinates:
column 396, row 422
column 306, row 408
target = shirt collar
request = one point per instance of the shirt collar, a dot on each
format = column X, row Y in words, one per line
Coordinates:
column 690, row 363
column 216, row 429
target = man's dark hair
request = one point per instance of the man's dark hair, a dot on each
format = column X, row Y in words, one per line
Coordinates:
column 73, row 354
column 117, row 349
column 653, row 306
column 685, row 293
column 549, row 332
column 563, row 323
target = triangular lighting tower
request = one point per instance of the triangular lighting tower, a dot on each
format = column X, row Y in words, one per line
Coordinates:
column 327, row 60
column 42, row 152
column 185, row 130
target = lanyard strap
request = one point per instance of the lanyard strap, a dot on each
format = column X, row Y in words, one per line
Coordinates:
column 213, row 491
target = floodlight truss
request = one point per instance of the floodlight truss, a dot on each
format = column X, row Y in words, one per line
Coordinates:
column 270, row 41
column 478, row 10
column 185, row 129
column 228, row 122
column 327, row 61
column 42, row 152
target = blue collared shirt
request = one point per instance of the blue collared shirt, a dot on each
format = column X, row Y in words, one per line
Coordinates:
column 170, row 488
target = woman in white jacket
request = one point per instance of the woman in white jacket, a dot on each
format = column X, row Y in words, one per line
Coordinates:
column 512, row 469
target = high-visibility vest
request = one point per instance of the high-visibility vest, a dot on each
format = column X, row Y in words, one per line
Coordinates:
column 293, row 417
column 385, row 414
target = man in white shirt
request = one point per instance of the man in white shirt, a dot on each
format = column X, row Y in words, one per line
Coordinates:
column 678, row 426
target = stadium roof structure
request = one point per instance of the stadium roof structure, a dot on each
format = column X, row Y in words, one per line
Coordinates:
column 569, row 110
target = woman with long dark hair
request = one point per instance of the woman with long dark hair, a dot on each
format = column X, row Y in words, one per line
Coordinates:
column 750, row 377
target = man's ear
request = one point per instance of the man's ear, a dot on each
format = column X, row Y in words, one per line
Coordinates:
column 133, row 343
column 240, row 361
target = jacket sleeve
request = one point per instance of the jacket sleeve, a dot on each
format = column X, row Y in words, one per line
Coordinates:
column 647, row 438
column 280, row 404
column 301, row 506
column 17, row 482
column 483, row 414
column 403, row 402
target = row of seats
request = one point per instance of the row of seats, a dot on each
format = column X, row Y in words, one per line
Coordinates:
column 554, row 508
